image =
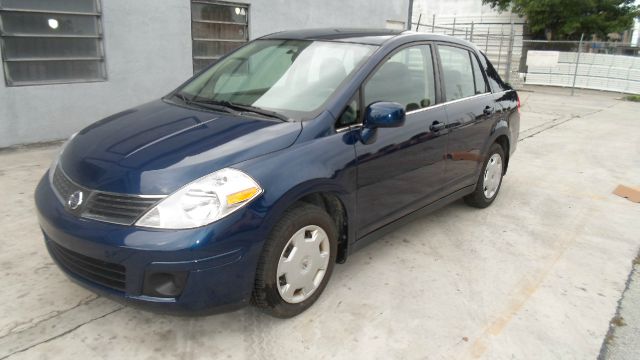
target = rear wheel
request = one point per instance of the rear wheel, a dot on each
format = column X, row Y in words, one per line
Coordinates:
column 490, row 179
column 296, row 262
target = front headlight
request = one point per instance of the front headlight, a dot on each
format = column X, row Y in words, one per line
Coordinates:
column 203, row 201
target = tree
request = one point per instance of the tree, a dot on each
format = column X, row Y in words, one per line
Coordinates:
column 567, row 19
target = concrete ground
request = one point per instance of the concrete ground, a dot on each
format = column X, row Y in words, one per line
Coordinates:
column 623, row 340
column 538, row 275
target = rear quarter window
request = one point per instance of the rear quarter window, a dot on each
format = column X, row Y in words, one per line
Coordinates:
column 495, row 81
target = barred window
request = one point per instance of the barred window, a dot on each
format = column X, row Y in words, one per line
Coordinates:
column 217, row 28
column 45, row 42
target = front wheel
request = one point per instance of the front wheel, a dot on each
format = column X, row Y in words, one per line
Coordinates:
column 490, row 179
column 296, row 262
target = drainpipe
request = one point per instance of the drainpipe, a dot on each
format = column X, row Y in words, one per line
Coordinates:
column 410, row 14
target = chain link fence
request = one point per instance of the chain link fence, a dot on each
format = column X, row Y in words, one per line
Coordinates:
column 611, row 66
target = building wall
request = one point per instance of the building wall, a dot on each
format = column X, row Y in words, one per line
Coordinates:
column 268, row 16
column 462, row 10
column 148, row 53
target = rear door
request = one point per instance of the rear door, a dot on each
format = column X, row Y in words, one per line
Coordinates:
column 471, row 113
column 403, row 168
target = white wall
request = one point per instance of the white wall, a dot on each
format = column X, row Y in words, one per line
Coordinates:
column 269, row 16
column 148, row 53
column 596, row 71
column 462, row 10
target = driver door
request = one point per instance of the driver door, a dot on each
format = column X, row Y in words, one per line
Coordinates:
column 402, row 170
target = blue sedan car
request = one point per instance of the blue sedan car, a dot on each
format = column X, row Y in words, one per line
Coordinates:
column 249, row 182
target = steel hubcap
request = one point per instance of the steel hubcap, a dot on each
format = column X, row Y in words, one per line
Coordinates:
column 492, row 176
column 303, row 264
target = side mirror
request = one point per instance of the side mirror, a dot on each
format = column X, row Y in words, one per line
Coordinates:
column 381, row 115
column 384, row 115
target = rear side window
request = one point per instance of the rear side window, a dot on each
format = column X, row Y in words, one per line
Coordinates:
column 406, row 78
column 457, row 71
column 481, row 85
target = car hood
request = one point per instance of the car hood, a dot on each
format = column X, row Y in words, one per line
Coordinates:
column 158, row 147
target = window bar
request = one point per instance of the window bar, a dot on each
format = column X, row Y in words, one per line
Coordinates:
column 53, row 12
column 98, row 36
column 219, row 22
column 221, row 40
column 78, row 58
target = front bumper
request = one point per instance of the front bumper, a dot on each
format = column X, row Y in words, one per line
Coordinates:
column 218, row 260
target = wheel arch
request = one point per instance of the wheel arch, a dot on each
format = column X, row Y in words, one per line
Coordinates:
column 333, row 206
column 500, row 136
column 503, row 141
column 326, row 195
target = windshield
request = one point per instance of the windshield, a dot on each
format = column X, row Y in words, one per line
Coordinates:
column 291, row 77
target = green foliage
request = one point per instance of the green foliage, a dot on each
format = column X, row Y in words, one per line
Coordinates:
column 567, row 19
column 635, row 98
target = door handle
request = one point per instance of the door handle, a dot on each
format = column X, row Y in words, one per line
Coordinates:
column 437, row 126
column 488, row 110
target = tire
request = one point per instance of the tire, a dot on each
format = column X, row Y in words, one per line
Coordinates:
column 490, row 178
column 291, row 251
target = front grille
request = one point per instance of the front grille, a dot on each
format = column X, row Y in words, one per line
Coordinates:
column 103, row 206
column 104, row 273
column 120, row 209
column 63, row 185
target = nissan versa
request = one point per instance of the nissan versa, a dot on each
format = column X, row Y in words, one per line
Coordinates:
column 252, row 179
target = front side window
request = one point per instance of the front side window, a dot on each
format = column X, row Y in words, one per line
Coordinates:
column 406, row 78
column 46, row 42
column 351, row 113
column 457, row 71
column 292, row 77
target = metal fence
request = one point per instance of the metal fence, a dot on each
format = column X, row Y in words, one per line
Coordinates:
column 611, row 66
column 500, row 41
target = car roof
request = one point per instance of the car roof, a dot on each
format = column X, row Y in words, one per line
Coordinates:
column 360, row 36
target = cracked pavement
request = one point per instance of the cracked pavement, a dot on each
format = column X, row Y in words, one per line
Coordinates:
column 538, row 275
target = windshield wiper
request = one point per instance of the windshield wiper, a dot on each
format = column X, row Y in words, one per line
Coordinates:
column 205, row 104
column 229, row 107
column 246, row 108
column 215, row 107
